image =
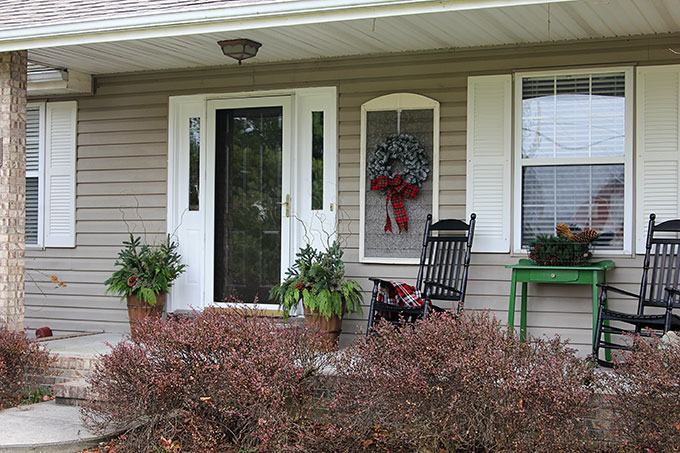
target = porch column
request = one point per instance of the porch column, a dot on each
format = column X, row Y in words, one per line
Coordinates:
column 12, row 186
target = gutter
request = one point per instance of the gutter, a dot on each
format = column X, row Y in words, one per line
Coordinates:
column 233, row 18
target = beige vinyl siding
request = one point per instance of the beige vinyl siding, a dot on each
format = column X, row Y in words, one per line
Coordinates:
column 122, row 161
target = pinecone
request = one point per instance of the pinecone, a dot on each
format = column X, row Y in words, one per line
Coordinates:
column 586, row 235
column 563, row 231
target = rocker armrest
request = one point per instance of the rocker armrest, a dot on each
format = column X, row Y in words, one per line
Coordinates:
column 376, row 279
column 440, row 285
column 672, row 290
column 606, row 287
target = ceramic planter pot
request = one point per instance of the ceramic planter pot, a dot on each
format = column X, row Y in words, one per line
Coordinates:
column 138, row 309
column 330, row 327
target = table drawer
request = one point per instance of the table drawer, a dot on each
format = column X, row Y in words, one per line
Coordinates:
column 559, row 275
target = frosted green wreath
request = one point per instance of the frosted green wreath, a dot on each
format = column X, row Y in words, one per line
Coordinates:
column 403, row 148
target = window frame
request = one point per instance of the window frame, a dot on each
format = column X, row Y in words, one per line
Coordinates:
column 40, row 174
column 626, row 160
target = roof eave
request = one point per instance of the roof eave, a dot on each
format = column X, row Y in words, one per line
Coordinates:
column 233, row 18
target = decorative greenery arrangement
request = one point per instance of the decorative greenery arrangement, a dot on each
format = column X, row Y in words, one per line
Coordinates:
column 145, row 270
column 564, row 249
column 403, row 148
column 317, row 279
column 405, row 180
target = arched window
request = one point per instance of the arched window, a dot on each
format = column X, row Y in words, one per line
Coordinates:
column 400, row 117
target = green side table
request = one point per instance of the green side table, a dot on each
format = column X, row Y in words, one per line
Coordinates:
column 528, row 272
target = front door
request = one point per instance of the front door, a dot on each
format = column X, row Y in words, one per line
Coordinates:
column 251, row 179
column 251, row 222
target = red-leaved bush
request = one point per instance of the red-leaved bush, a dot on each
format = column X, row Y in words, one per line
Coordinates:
column 224, row 380
column 457, row 384
column 19, row 355
column 644, row 397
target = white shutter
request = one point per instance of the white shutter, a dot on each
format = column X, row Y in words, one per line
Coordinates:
column 489, row 117
column 657, row 150
column 60, row 174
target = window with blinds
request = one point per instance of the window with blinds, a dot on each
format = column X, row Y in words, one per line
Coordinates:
column 33, row 151
column 573, row 155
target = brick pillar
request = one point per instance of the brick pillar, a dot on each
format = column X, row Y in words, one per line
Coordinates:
column 12, row 187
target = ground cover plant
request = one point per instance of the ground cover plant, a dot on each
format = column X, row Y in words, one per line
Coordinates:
column 458, row 384
column 19, row 355
column 644, row 397
column 218, row 381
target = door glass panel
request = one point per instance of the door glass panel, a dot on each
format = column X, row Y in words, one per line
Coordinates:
column 194, row 161
column 248, row 163
column 317, row 161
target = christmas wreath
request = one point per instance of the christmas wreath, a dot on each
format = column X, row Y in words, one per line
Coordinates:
column 415, row 166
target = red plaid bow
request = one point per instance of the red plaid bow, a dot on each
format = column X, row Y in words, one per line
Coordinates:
column 396, row 190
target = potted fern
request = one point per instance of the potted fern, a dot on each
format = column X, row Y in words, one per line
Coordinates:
column 145, row 274
column 317, row 280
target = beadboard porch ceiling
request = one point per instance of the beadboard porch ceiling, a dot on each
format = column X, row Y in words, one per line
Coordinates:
column 376, row 33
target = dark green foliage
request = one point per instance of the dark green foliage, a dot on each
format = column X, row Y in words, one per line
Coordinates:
column 38, row 395
column 549, row 250
column 145, row 270
column 318, row 279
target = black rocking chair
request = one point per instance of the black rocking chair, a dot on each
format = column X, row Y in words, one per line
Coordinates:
column 657, row 289
column 442, row 273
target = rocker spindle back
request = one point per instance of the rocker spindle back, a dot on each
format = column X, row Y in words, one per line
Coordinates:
column 445, row 258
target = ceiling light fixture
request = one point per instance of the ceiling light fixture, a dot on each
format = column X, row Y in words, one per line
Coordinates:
column 240, row 49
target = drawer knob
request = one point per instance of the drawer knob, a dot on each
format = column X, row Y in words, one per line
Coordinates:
column 552, row 275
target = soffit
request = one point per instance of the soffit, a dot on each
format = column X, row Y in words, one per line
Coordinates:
column 581, row 19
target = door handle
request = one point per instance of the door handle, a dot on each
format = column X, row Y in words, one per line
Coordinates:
column 287, row 203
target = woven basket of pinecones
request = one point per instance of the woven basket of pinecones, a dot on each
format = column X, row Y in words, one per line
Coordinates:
column 566, row 248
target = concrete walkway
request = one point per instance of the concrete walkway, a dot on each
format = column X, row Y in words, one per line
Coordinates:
column 45, row 427
column 87, row 345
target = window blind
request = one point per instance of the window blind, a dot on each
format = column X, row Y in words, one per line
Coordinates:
column 582, row 196
column 573, row 116
column 32, row 205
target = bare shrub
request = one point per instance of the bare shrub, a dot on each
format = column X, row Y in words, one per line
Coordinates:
column 457, row 384
column 644, row 397
column 224, row 380
column 19, row 355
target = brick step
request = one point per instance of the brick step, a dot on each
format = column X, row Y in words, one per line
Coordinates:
column 68, row 373
column 71, row 393
column 49, row 381
column 64, row 369
column 84, row 363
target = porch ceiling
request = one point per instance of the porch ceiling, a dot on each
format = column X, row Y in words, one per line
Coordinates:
column 531, row 23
